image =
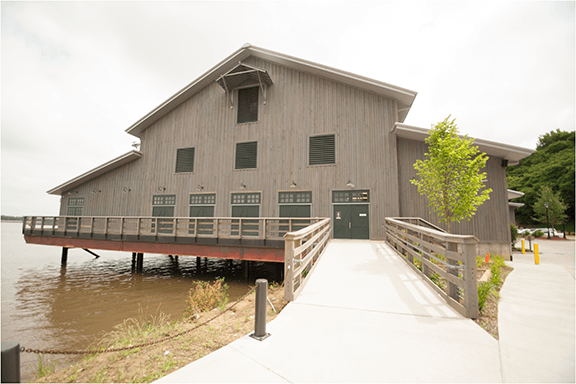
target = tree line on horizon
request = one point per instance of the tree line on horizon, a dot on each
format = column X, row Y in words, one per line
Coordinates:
column 547, row 175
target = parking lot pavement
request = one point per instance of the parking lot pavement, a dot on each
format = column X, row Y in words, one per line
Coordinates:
column 557, row 252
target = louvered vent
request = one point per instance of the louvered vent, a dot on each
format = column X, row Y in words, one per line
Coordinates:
column 246, row 155
column 247, row 105
column 185, row 160
column 322, row 150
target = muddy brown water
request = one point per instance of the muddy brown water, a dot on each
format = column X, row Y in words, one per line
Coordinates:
column 46, row 306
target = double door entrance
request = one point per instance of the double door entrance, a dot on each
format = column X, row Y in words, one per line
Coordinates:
column 351, row 214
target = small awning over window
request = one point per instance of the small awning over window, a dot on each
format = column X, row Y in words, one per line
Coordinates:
column 244, row 75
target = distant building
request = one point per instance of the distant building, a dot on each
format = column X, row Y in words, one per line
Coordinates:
column 263, row 134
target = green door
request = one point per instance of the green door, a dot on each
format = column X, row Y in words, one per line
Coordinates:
column 359, row 219
column 204, row 228
column 297, row 210
column 341, row 220
column 249, row 227
column 351, row 221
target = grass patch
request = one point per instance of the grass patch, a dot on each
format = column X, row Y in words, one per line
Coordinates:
column 149, row 363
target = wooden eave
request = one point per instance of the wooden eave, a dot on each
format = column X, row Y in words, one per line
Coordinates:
column 404, row 96
column 98, row 171
column 507, row 152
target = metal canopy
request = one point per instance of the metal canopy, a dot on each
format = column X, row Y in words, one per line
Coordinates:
column 244, row 75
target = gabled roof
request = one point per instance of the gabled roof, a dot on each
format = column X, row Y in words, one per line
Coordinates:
column 98, row 171
column 507, row 152
column 404, row 96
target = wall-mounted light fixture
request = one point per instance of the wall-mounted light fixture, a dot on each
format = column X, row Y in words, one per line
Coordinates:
column 94, row 190
column 199, row 188
column 126, row 189
column 161, row 189
column 350, row 185
column 293, row 185
column 242, row 186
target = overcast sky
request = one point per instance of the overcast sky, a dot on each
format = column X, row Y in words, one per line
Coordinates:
column 75, row 75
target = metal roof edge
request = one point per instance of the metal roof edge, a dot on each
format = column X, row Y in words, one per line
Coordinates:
column 512, row 194
column 136, row 128
column 405, row 96
column 506, row 151
column 95, row 172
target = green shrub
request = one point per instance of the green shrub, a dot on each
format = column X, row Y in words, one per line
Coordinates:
column 484, row 290
column 513, row 233
column 538, row 234
column 495, row 278
column 479, row 261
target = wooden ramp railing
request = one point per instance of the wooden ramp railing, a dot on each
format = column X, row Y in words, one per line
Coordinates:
column 163, row 228
column 302, row 251
column 446, row 262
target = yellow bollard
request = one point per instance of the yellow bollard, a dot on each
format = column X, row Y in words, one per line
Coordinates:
column 523, row 247
column 536, row 255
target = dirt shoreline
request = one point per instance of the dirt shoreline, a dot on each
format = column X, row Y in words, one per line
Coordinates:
column 150, row 363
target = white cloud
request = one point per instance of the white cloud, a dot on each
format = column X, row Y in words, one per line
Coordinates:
column 75, row 75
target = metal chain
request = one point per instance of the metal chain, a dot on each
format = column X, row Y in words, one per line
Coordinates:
column 87, row 352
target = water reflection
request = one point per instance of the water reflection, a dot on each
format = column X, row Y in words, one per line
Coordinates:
column 67, row 307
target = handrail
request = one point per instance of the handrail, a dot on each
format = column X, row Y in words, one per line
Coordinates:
column 302, row 250
column 257, row 228
column 425, row 250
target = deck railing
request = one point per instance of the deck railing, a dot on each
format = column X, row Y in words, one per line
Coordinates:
column 162, row 228
column 446, row 262
column 302, row 250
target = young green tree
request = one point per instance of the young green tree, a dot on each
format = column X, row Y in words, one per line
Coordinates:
column 556, row 207
column 450, row 176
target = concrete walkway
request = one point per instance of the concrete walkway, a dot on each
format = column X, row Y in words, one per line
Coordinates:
column 536, row 316
column 364, row 316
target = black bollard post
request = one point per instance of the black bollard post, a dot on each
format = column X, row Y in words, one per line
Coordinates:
column 10, row 362
column 260, row 312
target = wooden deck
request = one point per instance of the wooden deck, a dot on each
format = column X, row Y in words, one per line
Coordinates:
column 253, row 239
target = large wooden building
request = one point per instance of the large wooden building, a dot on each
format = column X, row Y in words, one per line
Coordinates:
column 263, row 134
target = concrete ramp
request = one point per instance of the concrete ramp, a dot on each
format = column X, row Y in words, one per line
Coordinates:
column 364, row 316
column 368, row 275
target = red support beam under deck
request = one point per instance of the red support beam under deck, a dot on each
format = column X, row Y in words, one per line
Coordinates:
column 217, row 251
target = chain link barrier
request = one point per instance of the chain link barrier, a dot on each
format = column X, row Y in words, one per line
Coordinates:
column 88, row 352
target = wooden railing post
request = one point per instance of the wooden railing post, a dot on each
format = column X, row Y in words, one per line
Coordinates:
column 453, row 291
column 469, row 251
column 288, row 268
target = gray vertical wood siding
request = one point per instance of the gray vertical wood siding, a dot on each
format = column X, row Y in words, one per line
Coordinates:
column 298, row 105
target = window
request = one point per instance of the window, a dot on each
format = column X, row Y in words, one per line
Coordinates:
column 246, row 155
column 362, row 196
column 294, row 197
column 75, row 206
column 246, row 198
column 322, row 150
column 203, row 198
column 247, row 105
column 163, row 205
column 185, row 160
